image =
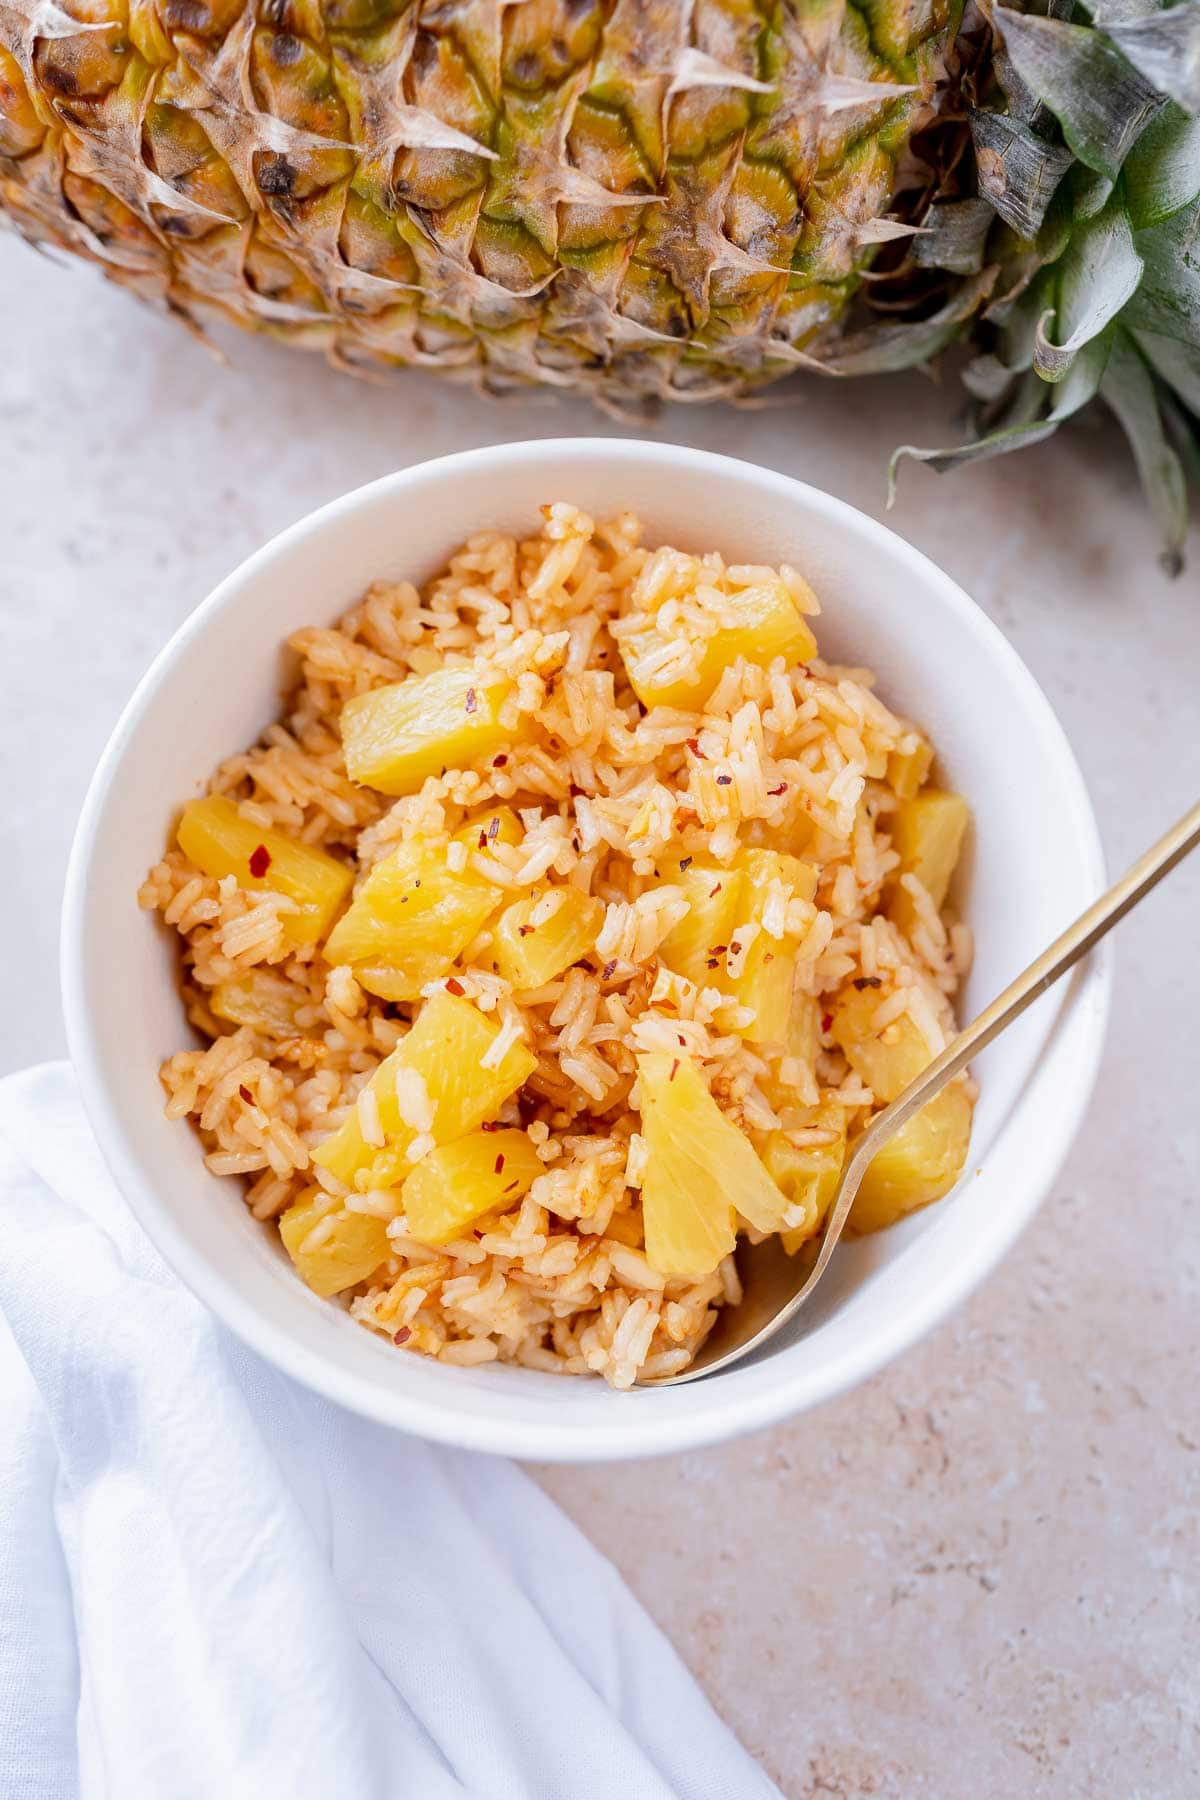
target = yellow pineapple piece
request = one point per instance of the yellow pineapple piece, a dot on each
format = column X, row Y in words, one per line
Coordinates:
column 808, row 1173
column 801, row 1040
column 699, row 1167
column 768, row 971
column 928, row 833
column 716, row 900
column 265, row 1002
column 887, row 1060
column 214, row 835
column 919, row 1164
column 409, row 920
column 394, row 737
column 458, row 1183
column 446, row 1047
column 346, row 1247
column 536, row 938
column 768, row 624
column 908, row 770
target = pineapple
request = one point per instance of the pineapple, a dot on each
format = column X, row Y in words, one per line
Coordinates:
column 927, row 833
column 767, row 623
column 395, row 736
column 537, row 937
column 214, row 835
column 332, row 1249
column 454, row 1186
column 700, row 1167
column 642, row 198
column 446, row 1049
column 920, row 1163
column 410, row 919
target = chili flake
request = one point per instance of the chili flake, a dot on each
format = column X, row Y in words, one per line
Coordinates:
column 685, row 862
column 781, row 789
column 260, row 862
column 471, row 702
column 455, row 986
column 499, row 1163
column 525, row 930
column 402, row 1336
column 868, row 981
column 607, row 971
column 713, row 892
column 494, row 827
column 498, row 762
column 483, row 840
column 247, row 1096
column 674, row 1070
column 826, row 1021
column 724, row 780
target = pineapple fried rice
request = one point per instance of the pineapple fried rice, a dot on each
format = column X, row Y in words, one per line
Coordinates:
column 681, row 931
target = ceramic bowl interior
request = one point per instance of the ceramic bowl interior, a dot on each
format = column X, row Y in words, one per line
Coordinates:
column 1033, row 864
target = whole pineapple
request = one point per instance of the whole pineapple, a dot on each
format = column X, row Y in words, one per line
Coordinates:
column 645, row 199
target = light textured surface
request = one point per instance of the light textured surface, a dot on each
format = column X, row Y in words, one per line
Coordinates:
column 977, row 1575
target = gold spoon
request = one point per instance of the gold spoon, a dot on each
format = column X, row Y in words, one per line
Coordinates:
column 769, row 1275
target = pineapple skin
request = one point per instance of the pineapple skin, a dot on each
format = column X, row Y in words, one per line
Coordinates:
column 637, row 199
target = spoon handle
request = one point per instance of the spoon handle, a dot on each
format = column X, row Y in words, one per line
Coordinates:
column 1041, row 974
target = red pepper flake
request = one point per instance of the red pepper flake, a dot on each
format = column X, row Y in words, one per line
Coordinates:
column 868, row 981
column 768, row 956
column 402, row 1336
column 717, row 949
column 471, row 702
column 735, row 949
column 693, row 745
column 608, row 970
column 483, row 840
column 826, row 1021
column 674, row 1070
column 498, row 762
column 724, row 780
column 494, row 827
column 499, row 1163
column 525, row 930
column 247, row 1096
column 417, row 882
column 512, row 1187
column 491, row 1125
column 713, row 892
column 711, row 962
column 781, row 789
column 260, row 862
column 685, row 862
column 455, row 986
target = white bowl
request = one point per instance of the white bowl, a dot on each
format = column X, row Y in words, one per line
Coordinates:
column 1035, row 863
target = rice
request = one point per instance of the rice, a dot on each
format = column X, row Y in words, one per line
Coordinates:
column 606, row 792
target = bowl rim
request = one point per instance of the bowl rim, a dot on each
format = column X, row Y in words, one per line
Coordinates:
column 633, row 1433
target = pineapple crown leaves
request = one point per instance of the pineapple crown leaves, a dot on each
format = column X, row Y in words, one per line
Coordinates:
column 1088, row 155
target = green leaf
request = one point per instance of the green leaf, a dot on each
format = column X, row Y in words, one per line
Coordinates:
column 1098, row 276
column 1102, row 104
column 1168, row 300
column 1165, row 49
column 954, row 236
column 880, row 349
column 1018, row 171
column 1128, row 389
column 1162, row 171
column 1175, row 363
column 1080, row 386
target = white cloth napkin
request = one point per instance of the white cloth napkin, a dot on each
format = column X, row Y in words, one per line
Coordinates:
column 215, row 1585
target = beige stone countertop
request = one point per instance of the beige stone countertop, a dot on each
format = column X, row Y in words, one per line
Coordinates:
column 977, row 1575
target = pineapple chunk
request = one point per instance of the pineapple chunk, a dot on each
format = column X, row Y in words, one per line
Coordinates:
column 394, row 737
column 265, row 1002
column 213, row 834
column 769, row 969
column 919, row 1164
column 409, row 920
column 699, row 1167
column 349, row 1247
column 446, row 1047
column 769, row 624
column 928, row 833
column 808, row 1173
column 458, row 1183
column 908, row 770
column 529, row 950
column 887, row 1060
column 716, row 900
